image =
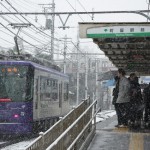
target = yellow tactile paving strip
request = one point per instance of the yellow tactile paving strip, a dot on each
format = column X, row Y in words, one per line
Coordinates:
column 136, row 139
column 121, row 130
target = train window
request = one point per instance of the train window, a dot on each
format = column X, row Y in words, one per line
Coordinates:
column 66, row 90
column 49, row 89
column 16, row 82
column 53, row 83
column 48, row 82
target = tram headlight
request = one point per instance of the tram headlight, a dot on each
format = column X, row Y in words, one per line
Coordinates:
column 16, row 116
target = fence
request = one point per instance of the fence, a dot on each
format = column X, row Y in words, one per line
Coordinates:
column 72, row 132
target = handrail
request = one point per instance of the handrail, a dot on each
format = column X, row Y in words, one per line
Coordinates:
column 70, row 127
column 38, row 138
column 69, row 148
column 58, row 133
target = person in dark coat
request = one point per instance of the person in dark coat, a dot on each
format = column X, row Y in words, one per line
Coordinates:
column 136, row 99
column 146, row 95
column 115, row 96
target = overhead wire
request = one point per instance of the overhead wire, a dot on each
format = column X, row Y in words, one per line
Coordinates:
column 31, row 36
column 20, row 37
column 34, row 20
column 23, row 5
column 84, row 8
column 30, row 22
column 36, row 27
column 6, row 41
column 60, row 54
column 77, row 48
column 11, row 17
column 30, row 2
column 10, row 11
column 74, row 10
column 27, row 19
column 6, row 33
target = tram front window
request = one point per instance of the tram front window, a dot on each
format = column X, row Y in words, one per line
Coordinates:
column 13, row 83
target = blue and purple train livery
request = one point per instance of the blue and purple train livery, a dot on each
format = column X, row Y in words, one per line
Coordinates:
column 32, row 97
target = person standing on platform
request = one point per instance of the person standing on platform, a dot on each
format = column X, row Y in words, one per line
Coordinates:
column 123, row 99
column 136, row 100
column 115, row 96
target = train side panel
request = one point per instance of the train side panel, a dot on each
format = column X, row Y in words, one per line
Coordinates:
column 48, row 98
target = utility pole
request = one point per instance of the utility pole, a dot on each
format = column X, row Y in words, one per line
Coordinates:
column 96, row 73
column 65, row 48
column 65, row 51
column 52, row 31
column 86, row 76
column 52, row 24
column 78, row 42
column 148, row 9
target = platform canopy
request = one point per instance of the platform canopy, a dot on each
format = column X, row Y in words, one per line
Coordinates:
column 126, row 44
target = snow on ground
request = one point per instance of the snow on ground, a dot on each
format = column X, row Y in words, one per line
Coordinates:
column 18, row 146
column 101, row 116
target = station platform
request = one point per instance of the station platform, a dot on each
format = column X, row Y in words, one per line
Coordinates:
column 108, row 137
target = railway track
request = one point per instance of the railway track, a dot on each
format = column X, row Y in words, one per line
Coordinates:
column 9, row 140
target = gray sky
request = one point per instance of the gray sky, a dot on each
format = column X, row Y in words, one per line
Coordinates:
column 37, row 38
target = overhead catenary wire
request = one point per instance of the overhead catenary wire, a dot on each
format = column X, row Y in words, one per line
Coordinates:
column 62, row 55
column 30, row 2
column 43, row 44
column 28, row 16
column 27, row 19
column 74, row 10
column 10, row 11
column 31, row 36
column 40, row 24
column 57, row 39
column 23, row 4
column 12, row 18
column 6, row 41
column 84, row 8
column 139, row 12
column 31, row 23
column 78, row 48
column 21, row 20
column 20, row 37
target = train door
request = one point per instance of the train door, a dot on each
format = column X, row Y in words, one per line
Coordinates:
column 37, row 97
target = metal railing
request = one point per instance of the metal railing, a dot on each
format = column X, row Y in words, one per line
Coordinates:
column 70, row 132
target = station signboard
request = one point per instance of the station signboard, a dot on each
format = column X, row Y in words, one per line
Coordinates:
column 118, row 31
column 112, row 30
